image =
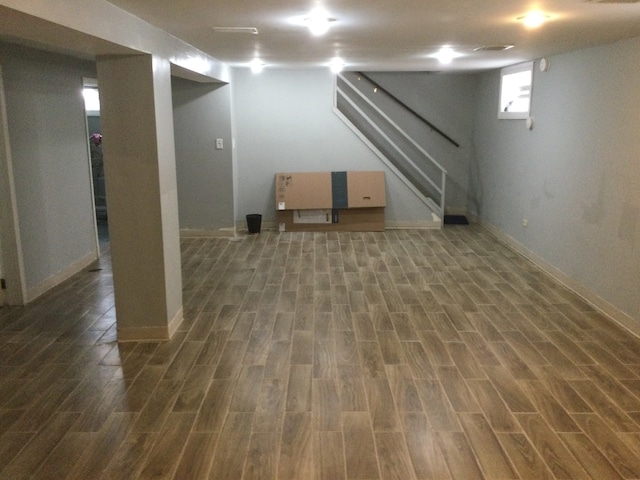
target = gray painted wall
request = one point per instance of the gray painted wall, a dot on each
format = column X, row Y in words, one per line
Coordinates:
column 202, row 113
column 49, row 148
column 284, row 122
column 576, row 175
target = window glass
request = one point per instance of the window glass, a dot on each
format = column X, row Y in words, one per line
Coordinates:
column 515, row 91
column 91, row 99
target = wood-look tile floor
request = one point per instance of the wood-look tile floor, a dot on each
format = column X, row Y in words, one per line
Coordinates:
column 397, row 355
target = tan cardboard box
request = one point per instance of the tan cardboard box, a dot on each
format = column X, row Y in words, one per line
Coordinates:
column 366, row 189
column 299, row 191
column 348, row 220
column 351, row 201
column 314, row 190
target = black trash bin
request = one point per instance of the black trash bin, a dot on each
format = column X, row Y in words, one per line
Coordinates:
column 254, row 220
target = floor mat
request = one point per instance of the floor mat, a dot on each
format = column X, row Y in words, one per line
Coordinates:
column 455, row 220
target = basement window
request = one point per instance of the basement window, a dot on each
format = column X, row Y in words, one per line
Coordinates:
column 91, row 101
column 515, row 91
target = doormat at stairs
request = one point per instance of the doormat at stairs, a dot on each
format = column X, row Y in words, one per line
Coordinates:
column 455, row 220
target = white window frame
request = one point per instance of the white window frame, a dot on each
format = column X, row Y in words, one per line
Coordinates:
column 511, row 78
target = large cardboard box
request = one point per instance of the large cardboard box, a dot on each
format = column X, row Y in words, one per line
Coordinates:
column 366, row 189
column 330, row 201
column 298, row 191
column 342, row 220
column 317, row 190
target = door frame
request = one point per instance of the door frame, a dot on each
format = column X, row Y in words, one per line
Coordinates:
column 92, row 83
column 11, row 259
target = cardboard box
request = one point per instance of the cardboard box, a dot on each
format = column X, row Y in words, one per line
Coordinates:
column 343, row 220
column 313, row 216
column 337, row 190
column 348, row 201
column 299, row 191
column 366, row 189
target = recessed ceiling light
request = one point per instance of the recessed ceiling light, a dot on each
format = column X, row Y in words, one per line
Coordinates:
column 336, row 65
column 533, row 19
column 256, row 65
column 318, row 22
column 446, row 55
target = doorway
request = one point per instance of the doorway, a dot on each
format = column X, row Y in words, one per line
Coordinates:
column 92, row 109
column 13, row 289
column 2, row 281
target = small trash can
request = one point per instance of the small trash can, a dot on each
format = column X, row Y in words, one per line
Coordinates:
column 254, row 220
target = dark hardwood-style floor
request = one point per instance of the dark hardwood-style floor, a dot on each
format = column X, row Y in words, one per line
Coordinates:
column 397, row 355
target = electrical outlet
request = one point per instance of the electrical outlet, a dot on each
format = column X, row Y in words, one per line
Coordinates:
column 219, row 144
column 525, row 222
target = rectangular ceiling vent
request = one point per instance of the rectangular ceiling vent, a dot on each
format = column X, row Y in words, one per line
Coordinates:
column 247, row 30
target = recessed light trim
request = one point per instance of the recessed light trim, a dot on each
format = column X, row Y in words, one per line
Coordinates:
column 318, row 25
column 318, row 22
column 256, row 65
column 446, row 55
column 336, row 65
column 533, row 19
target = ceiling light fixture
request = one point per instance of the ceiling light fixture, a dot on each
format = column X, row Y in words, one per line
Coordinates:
column 446, row 55
column 336, row 65
column 318, row 22
column 256, row 65
column 533, row 19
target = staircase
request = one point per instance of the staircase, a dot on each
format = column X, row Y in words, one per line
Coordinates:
column 418, row 170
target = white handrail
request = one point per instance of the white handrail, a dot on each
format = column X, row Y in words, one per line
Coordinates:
column 391, row 142
column 440, row 190
column 426, row 200
column 394, row 124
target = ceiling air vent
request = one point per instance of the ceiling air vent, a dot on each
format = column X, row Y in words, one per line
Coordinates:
column 248, row 30
column 492, row 48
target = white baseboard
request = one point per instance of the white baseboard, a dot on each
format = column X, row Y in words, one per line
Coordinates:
column 400, row 225
column 420, row 225
column 61, row 276
column 176, row 321
column 143, row 334
column 593, row 299
column 241, row 227
column 151, row 334
column 219, row 232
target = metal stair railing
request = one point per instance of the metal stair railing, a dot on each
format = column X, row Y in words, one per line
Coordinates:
column 439, row 190
column 409, row 109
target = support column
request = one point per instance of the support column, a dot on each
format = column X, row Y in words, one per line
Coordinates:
column 136, row 116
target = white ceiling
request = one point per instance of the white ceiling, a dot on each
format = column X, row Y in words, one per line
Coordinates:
column 389, row 34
